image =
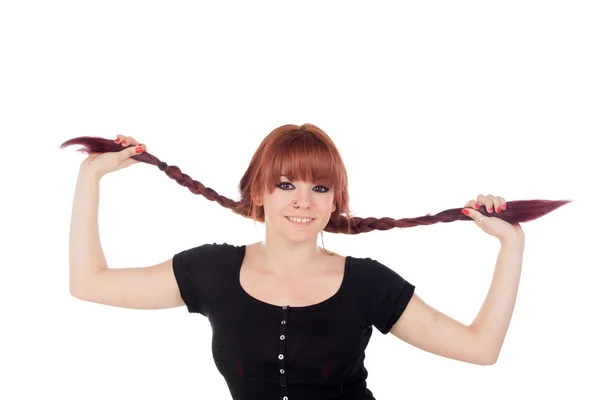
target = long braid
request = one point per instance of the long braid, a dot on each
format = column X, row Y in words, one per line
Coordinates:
column 517, row 210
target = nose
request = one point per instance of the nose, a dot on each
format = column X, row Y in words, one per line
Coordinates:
column 303, row 198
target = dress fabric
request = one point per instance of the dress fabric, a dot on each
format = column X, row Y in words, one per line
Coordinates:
column 276, row 352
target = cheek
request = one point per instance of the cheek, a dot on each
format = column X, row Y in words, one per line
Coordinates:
column 276, row 207
column 328, row 203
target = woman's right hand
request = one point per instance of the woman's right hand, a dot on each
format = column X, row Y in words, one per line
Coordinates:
column 100, row 164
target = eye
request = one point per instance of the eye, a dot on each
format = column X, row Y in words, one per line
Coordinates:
column 282, row 184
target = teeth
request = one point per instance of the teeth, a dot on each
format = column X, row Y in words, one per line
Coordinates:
column 302, row 220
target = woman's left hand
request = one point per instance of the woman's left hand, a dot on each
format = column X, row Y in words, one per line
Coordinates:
column 504, row 231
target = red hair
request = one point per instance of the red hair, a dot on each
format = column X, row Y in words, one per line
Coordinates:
column 302, row 153
column 307, row 153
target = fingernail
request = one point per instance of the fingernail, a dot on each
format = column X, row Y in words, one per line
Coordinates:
column 477, row 206
column 504, row 206
column 465, row 212
column 138, row 150
column 125, row 142
column 117, row 140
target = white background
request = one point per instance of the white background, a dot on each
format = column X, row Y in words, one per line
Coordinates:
column 429, row 103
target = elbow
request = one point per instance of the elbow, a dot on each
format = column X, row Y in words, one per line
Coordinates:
column 72, row 290
column 490, row 359
column 75, row 292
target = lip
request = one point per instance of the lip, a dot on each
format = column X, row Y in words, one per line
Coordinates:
column 300, row 224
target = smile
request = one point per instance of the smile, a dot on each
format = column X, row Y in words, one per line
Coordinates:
column 296, row 222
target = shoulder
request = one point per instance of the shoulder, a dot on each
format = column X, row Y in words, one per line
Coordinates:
column 372, row 281
column 209, row 249
column 381, row 291
column 208, row 254
column 203, row 271
column 369, row 270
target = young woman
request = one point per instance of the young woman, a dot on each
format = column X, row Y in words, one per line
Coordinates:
column 290, row 319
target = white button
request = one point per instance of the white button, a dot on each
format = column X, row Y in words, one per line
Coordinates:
column 284, row 307
column 281, row 356
column 285, row 398
column 281, row 371
column 282, row 322
column 282, row 337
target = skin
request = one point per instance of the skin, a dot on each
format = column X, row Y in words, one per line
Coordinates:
column 287, row 250
column 290, row 251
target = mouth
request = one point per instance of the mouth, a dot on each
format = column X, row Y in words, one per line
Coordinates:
column 298, row 222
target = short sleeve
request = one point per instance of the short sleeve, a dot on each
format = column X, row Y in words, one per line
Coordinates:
column 389, row 294
column 199, row 274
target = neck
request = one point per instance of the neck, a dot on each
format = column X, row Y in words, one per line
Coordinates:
column 284, row 258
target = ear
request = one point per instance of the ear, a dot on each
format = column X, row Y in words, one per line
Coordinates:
column 333, row 210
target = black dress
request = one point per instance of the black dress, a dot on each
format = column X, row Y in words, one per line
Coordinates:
column 271, row 352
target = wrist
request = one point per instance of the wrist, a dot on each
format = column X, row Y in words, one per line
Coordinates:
column 513, row 242
column 87, row 175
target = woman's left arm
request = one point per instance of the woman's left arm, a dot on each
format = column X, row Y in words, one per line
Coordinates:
column 479, row 343
column 491, row 323
column 429, row 329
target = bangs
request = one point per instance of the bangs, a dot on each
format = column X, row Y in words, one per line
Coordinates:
column 302, row 159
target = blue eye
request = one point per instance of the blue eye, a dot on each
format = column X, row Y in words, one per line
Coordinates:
column 325, row 189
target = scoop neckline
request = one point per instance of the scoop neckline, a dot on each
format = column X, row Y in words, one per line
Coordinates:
column 238, row 284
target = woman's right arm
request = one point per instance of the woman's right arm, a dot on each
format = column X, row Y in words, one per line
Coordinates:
column 90, row 279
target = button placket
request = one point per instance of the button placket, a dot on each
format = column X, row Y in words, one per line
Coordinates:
column 281, row 355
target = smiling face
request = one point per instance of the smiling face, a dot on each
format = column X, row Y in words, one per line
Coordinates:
column 313, row 200
column 296, row 164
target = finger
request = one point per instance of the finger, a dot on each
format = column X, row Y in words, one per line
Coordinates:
column 486, row 201
column 497, row 204
column 502, row 203
column 472, row 204
column 128, row 141
column 492, row 203
column 129, row 152
column 123, row 140
column 475, row 215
